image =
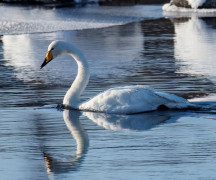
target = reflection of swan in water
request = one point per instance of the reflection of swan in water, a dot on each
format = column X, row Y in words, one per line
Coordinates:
column 121, row 100
column 72, row 121
column 144, row 121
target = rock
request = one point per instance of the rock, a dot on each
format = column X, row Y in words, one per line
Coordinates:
column 180, row 3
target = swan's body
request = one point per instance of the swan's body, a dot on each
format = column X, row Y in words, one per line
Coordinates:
column 131, row 100
column 121, row 100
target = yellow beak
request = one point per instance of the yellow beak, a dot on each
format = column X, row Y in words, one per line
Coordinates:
column 48, row 58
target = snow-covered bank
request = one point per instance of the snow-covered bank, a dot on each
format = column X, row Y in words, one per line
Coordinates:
column 194, row 4
column 175, row 10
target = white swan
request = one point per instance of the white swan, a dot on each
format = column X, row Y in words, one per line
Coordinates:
column 121, row 100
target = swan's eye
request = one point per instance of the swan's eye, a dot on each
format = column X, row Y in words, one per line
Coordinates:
column 52, row 49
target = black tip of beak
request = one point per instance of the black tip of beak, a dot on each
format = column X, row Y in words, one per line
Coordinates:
column 44, row 63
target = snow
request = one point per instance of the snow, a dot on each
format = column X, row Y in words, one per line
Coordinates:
column 196, row 3
column 201, row 12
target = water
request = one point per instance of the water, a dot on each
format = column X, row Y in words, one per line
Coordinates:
column 135, row 45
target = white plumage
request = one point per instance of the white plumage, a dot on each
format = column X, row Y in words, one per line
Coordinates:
column 120, row 100
column 132, row 99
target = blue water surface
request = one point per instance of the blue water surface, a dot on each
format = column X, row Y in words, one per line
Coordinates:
column 124, row 46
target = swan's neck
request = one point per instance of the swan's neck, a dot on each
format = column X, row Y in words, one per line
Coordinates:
column 72, row 97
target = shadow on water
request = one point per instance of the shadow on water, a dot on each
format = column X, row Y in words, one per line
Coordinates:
column 71, row 119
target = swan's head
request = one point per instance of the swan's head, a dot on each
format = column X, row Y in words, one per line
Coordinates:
column 55, row 49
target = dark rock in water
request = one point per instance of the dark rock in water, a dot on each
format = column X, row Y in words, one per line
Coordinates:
column 180, row 3
column 184, row 3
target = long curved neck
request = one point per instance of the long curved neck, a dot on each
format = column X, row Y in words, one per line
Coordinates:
column 72, row 97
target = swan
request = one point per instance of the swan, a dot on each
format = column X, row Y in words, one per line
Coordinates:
column 120, row 100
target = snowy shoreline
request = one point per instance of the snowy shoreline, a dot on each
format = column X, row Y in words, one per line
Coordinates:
column 194, row 4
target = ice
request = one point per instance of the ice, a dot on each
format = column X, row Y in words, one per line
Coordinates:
column 24, row 20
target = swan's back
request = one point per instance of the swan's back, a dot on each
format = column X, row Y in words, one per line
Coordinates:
column 132, row 99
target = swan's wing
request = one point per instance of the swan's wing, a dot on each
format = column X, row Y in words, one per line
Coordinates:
column 173, row 101
column 129, row 100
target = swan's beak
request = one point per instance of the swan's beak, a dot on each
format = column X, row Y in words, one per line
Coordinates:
column 48, row 58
